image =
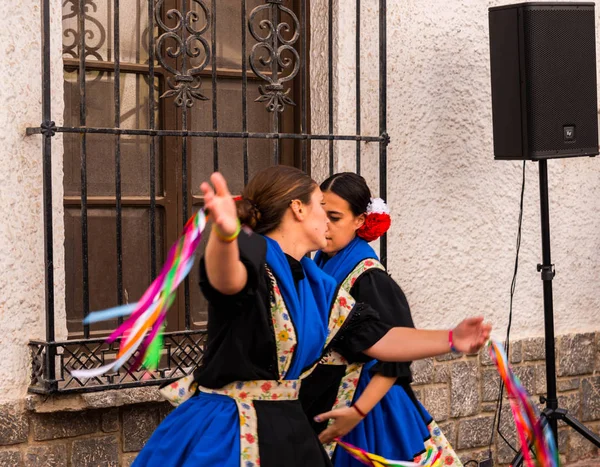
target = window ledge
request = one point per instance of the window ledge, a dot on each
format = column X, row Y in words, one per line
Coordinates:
column 92, row 400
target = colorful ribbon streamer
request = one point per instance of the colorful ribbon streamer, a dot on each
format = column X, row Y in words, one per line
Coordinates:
column 143, row 331
column 526, row 415
column 432, row 457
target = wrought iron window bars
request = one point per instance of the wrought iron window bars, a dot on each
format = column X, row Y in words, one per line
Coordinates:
column 279, row 56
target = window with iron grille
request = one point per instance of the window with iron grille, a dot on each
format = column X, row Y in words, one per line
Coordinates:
column 159, row 94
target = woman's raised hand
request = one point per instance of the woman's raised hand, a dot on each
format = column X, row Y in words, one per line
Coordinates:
column 220, row 204
column 471, row 334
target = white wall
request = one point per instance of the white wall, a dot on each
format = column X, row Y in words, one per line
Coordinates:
column 455, row 209
column 21, row 228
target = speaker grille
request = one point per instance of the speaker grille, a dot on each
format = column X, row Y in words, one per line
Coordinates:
column 560, row 61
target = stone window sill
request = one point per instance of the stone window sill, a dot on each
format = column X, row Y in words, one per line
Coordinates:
column 92, row 400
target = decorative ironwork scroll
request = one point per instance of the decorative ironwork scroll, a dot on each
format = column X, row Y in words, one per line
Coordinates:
column 95, row 36
column 188, row 44
column 274, row 45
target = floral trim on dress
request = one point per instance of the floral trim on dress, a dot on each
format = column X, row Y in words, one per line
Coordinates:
column 360, row 268
column 342, row 306
column 346, row 391
column 347, row 388
column 439, row 442
column 244, row 393
column 285, row 334
column 179, row 391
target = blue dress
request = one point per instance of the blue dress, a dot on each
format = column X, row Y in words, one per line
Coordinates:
column 398, row 427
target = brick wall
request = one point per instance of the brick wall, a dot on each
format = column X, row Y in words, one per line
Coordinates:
column 108, row 437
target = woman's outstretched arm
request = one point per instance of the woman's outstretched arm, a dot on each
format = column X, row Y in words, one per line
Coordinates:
column 406, row 344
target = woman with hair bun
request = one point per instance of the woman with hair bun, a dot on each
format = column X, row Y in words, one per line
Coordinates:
column 375, row 406
column 272, row 312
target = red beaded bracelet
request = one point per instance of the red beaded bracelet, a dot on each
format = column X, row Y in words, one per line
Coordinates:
column 360, row 412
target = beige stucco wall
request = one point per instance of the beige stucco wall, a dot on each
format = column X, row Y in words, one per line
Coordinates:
column 455, row 209
column 21, row 227
column 22, row 298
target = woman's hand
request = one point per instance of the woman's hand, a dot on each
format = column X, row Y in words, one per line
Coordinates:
column 345, row 419
column 225, row 272
column 470, row 335
column 220, row 205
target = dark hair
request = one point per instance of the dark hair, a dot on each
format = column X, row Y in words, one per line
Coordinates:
column 268, row 195
column 350, row 187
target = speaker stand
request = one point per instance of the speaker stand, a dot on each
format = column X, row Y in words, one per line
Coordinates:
column 552, row 413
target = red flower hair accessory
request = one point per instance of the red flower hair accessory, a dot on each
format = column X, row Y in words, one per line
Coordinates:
column 377, row 220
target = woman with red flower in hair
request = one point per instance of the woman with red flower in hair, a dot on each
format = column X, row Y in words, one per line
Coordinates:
column 375, row 406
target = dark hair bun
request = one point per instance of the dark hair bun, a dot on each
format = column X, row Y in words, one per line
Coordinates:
column 248, row 213
column 267, row 196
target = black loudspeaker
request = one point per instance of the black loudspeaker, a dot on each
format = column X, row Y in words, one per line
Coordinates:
column 543, row 67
